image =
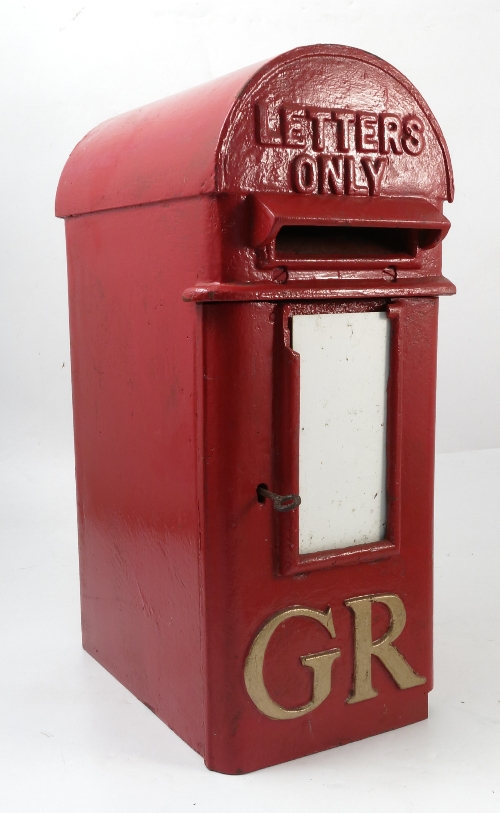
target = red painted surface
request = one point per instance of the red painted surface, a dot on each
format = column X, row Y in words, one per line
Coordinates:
column 242, row 549
column 184, row 401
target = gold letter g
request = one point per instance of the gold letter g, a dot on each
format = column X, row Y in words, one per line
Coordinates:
column 320, row 663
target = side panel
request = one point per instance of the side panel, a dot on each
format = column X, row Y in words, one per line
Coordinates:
column 134, row 366
column 244, row 587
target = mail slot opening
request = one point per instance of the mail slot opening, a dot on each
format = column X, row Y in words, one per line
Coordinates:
column 346, row 242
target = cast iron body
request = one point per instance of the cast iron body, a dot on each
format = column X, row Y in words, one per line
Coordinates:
column 185, row 391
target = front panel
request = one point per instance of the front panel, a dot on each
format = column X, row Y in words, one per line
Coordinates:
column 330, row 650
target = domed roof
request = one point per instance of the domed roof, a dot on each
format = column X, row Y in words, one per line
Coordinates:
column 241, row 133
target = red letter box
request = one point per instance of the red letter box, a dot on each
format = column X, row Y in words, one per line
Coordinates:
column 254, row 273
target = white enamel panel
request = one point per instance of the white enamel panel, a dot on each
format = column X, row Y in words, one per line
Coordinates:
column 344, row 367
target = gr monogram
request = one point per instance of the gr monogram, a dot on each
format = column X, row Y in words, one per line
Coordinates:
column 321, row 662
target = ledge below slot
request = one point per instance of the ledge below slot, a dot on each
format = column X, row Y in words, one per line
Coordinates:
column 320, row 289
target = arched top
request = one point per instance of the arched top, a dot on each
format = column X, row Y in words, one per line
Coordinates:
column 322, row 118
column 157, row 152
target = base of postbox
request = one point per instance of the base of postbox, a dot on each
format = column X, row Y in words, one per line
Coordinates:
column 401, row 714
column 403, row 711
column 405, row 716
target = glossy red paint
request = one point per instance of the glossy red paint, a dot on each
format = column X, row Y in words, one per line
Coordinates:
column 181, row 286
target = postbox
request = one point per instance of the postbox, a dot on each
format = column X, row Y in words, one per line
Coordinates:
column 254, row 273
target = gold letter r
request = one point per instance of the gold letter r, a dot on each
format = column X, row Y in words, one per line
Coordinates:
column 383, row 649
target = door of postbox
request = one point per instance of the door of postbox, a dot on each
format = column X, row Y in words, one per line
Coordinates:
column 308, row 300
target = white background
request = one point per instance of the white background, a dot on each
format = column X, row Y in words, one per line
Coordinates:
column 72, row 739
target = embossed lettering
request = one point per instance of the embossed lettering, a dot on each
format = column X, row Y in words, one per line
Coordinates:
column 383, row 648
column 320, row 663
column 366, row 132
column 365, row 648
column 318, row 118
column 294, row 126
column 389, row 130
column 265, row 135
column 344, row 119
column 350, row 174
column 305, row 174
column 413, row 135
column 331, row 174
column 356, row 133
column 374, row 170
